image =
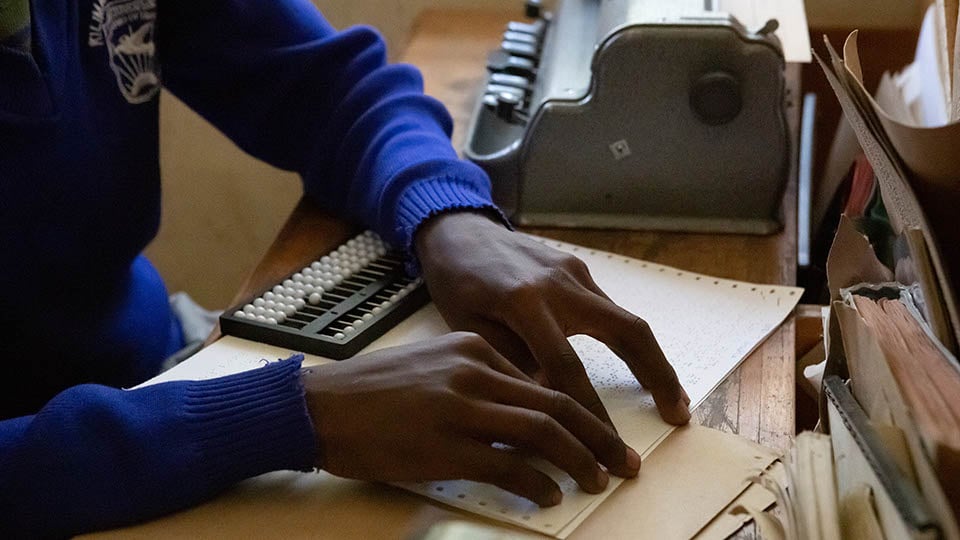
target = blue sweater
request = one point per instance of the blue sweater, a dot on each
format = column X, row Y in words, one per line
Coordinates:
column 83, row 313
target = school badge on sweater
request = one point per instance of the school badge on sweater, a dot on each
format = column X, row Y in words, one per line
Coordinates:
column 127, row 28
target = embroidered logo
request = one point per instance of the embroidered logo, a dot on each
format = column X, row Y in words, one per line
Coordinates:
column 127, row 28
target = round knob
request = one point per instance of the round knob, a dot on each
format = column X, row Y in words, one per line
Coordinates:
column 507, row 105
column 533, row 8
column 716, row 98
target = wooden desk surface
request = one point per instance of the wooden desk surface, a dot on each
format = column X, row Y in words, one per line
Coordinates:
column 757, row 401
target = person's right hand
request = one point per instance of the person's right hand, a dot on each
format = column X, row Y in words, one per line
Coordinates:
column 431, row 411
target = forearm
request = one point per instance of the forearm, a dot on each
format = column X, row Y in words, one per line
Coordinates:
column 289, row 89
column 96, row 457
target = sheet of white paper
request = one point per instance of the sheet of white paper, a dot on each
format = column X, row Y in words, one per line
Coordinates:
column 706, row 327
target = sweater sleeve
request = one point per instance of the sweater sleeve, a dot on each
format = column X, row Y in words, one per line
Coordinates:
column 96, row 457
column 277, row 79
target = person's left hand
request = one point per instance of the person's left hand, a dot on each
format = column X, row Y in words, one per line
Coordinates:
column 526, row 298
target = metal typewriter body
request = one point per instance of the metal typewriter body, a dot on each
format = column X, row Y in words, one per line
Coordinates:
column 639, row 114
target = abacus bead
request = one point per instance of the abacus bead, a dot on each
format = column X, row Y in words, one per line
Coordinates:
column 349, row 329
column 299, row 303
column 339, row 335
column 259, row 302
column 315, row 298
column 239, row 314
column 248, row 309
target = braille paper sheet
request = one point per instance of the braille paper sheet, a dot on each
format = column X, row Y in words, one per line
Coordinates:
column 706, row 327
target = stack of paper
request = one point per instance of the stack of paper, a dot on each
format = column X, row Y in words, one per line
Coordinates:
column 911, row 143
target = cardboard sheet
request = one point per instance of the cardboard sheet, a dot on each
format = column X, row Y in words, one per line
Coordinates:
column 705, row 325
column 669, row 500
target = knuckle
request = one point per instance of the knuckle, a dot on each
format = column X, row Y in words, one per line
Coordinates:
column 576, row 266
column 562, row 405
column 542, row 425
column 642, row 326
column 569, row 365
column 469, row 344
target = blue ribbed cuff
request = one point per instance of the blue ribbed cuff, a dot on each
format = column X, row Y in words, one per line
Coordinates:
column 251, row 423
column 431, row 197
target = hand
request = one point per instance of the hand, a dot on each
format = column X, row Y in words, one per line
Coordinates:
column 526, row 299
column 430, row 411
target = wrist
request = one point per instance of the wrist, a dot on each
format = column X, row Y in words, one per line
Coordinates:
column 455, row 225
column 315, row 390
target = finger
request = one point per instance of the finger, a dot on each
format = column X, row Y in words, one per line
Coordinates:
column 601, row 439
column 508, row 471
column 508, row 344
column 540, row 434
column 631, row 338
column 554, row 353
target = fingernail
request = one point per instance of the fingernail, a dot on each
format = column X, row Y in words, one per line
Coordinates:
column 602, row 479
column 633, row 459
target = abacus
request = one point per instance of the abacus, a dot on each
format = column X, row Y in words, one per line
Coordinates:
column 336, row 305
